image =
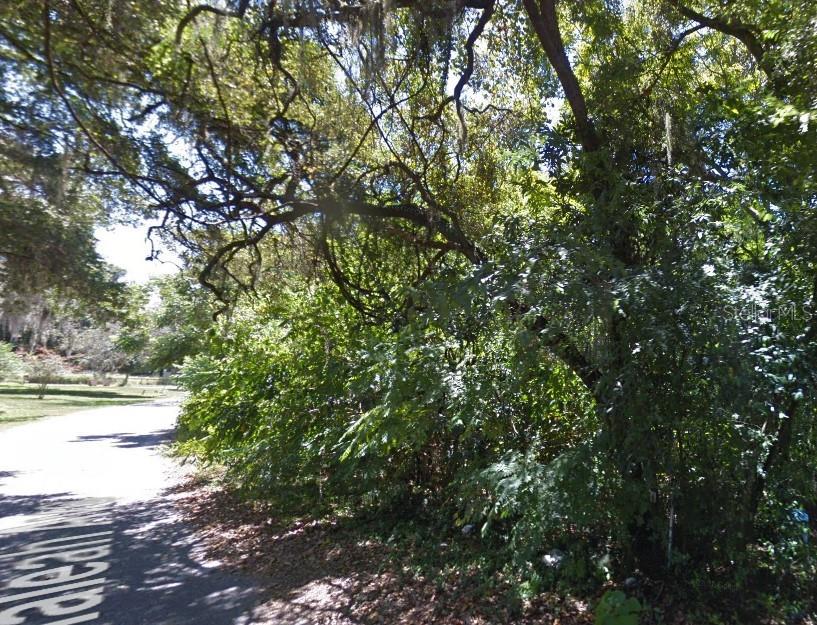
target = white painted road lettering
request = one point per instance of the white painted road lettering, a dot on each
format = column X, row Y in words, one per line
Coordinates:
column 78, row 555
column 50, row 590
column 57, row 543
column 59, row 575
column 90, row 529
column 54, row 606
column 62, row 576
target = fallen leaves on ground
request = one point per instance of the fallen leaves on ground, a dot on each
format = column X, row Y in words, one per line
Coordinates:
column 320, row 572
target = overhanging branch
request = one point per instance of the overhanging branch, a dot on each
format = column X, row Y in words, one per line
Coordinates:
column 542, row 14
column 744, row 33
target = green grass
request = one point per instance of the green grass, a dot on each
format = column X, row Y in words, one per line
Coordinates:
column 18, row 402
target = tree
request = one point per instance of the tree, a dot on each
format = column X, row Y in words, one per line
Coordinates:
column 42, row 370
column 10, row 364
column 134, row 332
column 179, row 324
column 628, row 231
column 98, row 350
column 48, row 208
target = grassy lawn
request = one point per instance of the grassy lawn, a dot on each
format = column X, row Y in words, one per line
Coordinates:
column 18, row 402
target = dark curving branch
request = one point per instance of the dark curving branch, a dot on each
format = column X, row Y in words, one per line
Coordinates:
column 543, row 18
column 206, row 8
column 746, row 34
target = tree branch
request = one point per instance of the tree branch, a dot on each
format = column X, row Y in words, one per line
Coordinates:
column 206, row 8
column 338, row 12
column 542, row 14
column 675, row 44
column 475, row 34
column 742, row 32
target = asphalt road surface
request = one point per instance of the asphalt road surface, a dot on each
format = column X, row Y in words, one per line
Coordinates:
column 89, row 533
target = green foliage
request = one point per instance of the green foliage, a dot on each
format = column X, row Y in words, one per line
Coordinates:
column 615, row 608
column 570, row 304
column 278, row 393
column 11, row 365
column 42, row 370
column 177, row 328
column 41, row 251
column 416, row 414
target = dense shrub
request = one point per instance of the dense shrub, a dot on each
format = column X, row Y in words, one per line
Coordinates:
column 416, row 414
column 462, row 410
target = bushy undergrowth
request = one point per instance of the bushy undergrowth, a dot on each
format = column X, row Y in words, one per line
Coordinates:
column 462, row 414
column 434, row 413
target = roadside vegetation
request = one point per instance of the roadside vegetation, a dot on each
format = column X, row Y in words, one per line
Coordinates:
column 532, row 279
column 59, row 355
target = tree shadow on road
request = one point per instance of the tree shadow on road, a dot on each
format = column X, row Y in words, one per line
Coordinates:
column 78, row 392
column 14, row 505
column 160, row 576
column 157, row 574
column 129, row 440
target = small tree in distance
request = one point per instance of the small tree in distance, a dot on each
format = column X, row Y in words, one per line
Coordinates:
column 10, row 364
column 42, row 370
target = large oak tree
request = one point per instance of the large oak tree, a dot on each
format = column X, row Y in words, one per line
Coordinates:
column 667, row 150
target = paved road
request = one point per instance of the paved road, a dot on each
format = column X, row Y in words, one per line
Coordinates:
column 87, row 534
